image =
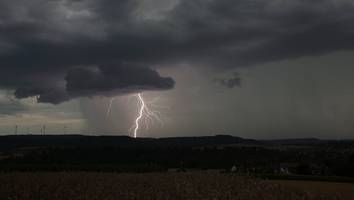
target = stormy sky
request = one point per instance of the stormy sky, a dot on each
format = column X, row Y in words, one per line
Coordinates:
column 251, row 68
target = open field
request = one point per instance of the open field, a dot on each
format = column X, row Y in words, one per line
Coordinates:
column 342, row 190
column 192, row 185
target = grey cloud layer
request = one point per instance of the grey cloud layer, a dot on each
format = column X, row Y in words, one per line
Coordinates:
column 42, row 42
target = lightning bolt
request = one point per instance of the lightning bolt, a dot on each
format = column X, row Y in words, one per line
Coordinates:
column 145, row 113
column 109, row 107
column 141, row 112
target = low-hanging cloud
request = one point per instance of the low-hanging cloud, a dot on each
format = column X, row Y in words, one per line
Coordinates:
column 44, row 94
column 49, row 48
column 232, row 82
column 115, row 80
column 101, row 81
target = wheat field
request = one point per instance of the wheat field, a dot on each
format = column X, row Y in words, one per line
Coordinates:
column 159, row 186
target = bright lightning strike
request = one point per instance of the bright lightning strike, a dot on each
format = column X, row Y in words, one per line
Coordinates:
column 141, row 112
column 109, row 107
column 146, row 114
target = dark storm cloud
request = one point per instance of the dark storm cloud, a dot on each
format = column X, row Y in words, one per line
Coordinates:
column 51, row 39
column 43, row 94
column 115, row 80
column 110, row 80
column 241, row 33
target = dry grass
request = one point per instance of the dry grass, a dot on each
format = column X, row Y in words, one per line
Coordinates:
column 164, row 186
column 342, row 190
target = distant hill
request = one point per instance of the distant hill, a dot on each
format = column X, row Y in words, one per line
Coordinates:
column 21, row 141
column 295, row 141
column 305, row 142
column 126, row 154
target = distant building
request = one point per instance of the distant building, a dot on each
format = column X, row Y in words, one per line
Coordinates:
column 233, row 169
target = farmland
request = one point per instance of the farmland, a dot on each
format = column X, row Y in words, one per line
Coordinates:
column 216, row 167
column 190, row 185
column 343, row 190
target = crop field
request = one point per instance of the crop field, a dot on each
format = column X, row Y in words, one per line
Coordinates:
column 342, row 190
column 174, row 186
